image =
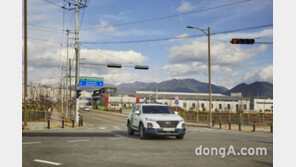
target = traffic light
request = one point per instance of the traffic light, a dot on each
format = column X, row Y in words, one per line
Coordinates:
column 138, row 67
column 78, row 93
column 112, row 65
column 242, row 41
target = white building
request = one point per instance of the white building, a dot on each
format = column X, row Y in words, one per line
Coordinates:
column 187, row 101
column 198, row 101
column 265, row 105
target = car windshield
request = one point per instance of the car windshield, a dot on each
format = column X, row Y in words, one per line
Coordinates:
column 157, row 110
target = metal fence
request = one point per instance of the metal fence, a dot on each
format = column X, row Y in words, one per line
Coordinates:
column 36, row 115
column 259, row 119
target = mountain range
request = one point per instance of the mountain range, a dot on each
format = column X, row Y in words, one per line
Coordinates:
column 256, row 89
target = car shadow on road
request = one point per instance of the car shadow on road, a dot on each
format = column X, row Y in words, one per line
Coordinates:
column 262, row 163
column 137, row 136
column 68, row 134
column 266, row 142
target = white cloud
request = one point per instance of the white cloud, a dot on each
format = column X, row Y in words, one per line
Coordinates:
column 221, row 53
column 188, row 69
column 192, row 58
column 263, row 74
column 185, row 35
column 45, row 61
column 104, row 27
column 107, row 56
column 185, row 6
column 228, row 80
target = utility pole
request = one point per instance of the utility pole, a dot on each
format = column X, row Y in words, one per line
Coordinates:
column 76, row 117
column 70, row 68
column 25, row 64
column 61, row 93
column 67, row 68
column 209, row 65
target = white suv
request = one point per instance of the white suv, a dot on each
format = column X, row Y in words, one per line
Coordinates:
column 155, row 119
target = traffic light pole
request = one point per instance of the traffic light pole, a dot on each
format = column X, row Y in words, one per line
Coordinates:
column 263, row 43
column 209, row 67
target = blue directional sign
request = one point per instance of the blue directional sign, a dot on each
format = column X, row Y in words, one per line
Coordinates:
column 91, row 82
column 176, row 101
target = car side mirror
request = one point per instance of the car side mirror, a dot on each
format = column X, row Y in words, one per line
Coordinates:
column 137, row 112
column 176, row 112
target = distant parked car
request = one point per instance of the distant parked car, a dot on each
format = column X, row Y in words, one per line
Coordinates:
column 155, row 119
column 87, row 108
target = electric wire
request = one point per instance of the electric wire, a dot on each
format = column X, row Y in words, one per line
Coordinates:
column 169, row 16
column 93, row 49
column 53, row 3
column 175, row 38
column 162, row 39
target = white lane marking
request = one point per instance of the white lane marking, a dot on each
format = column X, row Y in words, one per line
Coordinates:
column 108, row 121
column 116, row 138
column 37, row 142
column 47, row 162
column 116, row 127
column 102, row 128
column 72, row 141
column 109, row 116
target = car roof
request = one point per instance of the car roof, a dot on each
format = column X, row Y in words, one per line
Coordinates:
column 152, row 104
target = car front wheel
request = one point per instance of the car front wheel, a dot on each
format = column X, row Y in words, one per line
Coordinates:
column 180, row 137
column 129, row 129
column 142, row 132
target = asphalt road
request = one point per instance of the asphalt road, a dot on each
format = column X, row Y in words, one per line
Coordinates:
column 106, row 143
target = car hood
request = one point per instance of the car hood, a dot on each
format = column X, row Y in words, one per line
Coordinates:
column 163, row 117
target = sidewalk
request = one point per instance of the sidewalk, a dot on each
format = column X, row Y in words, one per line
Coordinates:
column 54, row 124
column 265, row 129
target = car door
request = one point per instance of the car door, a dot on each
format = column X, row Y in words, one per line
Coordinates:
column 137, row 117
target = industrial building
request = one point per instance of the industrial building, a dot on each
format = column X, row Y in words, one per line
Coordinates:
column 108, row 98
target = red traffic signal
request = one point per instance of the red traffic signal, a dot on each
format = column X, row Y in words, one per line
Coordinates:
column 242, row 41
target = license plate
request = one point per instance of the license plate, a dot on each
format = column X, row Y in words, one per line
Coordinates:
column 168, row 129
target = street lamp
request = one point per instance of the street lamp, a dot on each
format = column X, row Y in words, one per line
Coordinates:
column 209, row 67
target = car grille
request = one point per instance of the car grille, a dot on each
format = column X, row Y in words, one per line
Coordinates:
column 168, row 124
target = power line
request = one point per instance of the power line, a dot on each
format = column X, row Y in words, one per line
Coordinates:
column 169, row 16
column 45, row 27
column 54, row 3
column 164, row 39
column 176, row 38
column 81, row 21
column 45, row 30
column 263, row 36
column 243, row 29
column 110, row 55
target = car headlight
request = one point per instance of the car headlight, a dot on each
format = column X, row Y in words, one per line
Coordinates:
column 183, row 126
column 149, row 125
column 149, row 119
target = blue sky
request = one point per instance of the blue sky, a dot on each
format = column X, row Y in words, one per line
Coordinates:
column 184, row 58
